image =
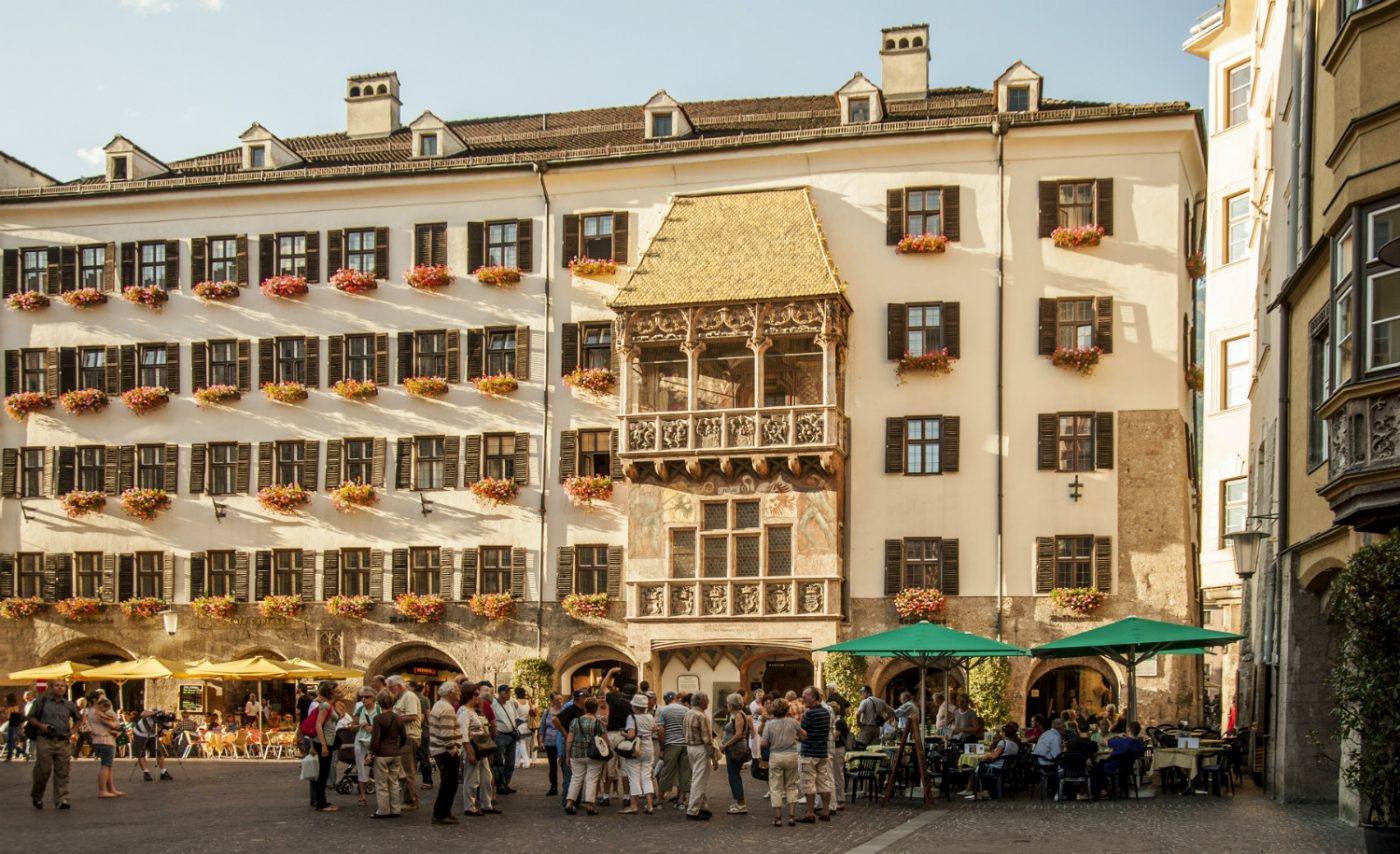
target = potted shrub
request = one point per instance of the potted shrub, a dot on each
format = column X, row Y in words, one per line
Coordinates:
column 284, row 287
column 287, row 391
column 212, row 394
column 919, row 603
column 353, row 389
column 428, row 277
column 287, row 607
column 284, row 498
column 582, row 605
column 353, row 281
column 21, row 404
column 81, row 502
column 143, row 607
column 420, row 607
column 1365, row 600
column 1077, row 600
column 935, row 363
column 583, row 490
column 593, row 266
column 497, row 275
column 495, row 490
column 353, row 495
column 1076, row 236
column 80, row 401
column 425, row 386
column 592, row 381
column 216, row 291
column 151, row 296
column 26, row 301
column 496, row 607
column 496, row 385
column 214, row 607
column 145, row 504
column 350, row 607
column 79, row 608
column 1080, row 359
column 922, row 244
column 145, row 398
column 83, row 297
column 21, row 607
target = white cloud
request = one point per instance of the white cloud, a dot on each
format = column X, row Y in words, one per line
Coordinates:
column 147, row 7
column 94, row 156
column 213, row 5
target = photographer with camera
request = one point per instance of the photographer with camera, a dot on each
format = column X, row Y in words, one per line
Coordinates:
column 51, row 725
column 145, row 740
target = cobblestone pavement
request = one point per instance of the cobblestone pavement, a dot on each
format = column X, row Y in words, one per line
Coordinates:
column 248, row 805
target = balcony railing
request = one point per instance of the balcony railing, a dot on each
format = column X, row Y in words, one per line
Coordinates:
column 795, row 597
column 772, row 429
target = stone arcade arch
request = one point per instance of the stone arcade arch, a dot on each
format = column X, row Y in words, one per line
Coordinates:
column 1113, row 681
column 568, row 665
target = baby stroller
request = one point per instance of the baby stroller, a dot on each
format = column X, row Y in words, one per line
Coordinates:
column 346, row 784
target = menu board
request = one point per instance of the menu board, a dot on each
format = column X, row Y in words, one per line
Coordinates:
column 191, row 698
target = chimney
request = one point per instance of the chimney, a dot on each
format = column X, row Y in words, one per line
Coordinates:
column 372, row 104
column 904, row 62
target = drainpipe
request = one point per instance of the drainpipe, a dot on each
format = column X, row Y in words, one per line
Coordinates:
column 999, row 131
column 539, row 167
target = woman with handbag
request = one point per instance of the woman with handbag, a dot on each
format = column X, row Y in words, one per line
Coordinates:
column 637, row 749
column 736, row 752
column 479, row 747
column 586, row 751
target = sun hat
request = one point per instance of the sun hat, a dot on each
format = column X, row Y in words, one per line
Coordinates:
column 640, row 701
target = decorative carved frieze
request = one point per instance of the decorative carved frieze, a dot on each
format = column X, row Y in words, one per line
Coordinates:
column 755, row 321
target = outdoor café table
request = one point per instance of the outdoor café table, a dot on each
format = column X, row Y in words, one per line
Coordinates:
column 1188, row 760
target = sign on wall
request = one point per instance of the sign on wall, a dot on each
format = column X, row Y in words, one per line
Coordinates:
column 191, row 698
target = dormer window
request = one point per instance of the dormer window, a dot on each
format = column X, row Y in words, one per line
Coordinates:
column 428, row 145
column 119, row 168
column 257, row 157
column 1018, row 99
column 665, row 118
column 661, row 124
column 859, row 102
column 860, row 111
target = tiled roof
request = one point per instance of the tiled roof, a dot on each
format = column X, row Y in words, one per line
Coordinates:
column 605, row 133
column 721, row 247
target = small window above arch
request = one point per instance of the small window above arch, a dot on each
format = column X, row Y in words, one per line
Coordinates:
column 382, row 90
column 918, row 42
column 354, row 91
column 903, row 43
column 889, row 44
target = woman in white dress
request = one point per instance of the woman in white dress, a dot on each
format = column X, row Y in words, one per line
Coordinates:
column 641, row 726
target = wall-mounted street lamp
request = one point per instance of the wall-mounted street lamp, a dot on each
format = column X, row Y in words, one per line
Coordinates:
column 424, row 505
column 171, row 621
column 1244, row 548
column 220, row 510
column 24, row 511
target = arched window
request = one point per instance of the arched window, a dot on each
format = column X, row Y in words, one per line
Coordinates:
column 903, row 43
column 354, row 91
column 889, row 44
column 918, row 41
column 382, row 89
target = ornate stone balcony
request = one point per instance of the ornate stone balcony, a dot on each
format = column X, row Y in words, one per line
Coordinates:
column 788, row 598
column 776, row 430
column 1363, row 460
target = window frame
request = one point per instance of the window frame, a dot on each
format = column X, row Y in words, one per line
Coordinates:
column 494, row 457
column 1226, row 366
column 1078, row 324
column 1226, row 506
column 858, row 109
column 591, row 562
column 1229, row 223
column 923, row 328
column 216, row 467
column 596, row 460
column 149, row 573
column 360, row 255
column 1062, row 218
column 497, row 568
column 288, row 457
column 362, row 366
column 1230, row 89
column 502, row 242
column 924, row 443
column 89, row 468
column 150, row 466
column 90, row 376
column 289, row 367
column 691, row 544
column 87, row 574
column 26, row 469
column 425, row 561
column 600, row 220
column 1082, row 443
column 350, row 463
column 910, row 213
column 33, row 370
column 1012, row 93
column 359, row 569
column 92, row 275
column 934, row 564
column 221, row 573
column 667, row 130
column 292, row 259
column 1319, row 385
column 150, row 264
column 435, row 458
column 158, row 368
column 430, row 363
column 595, row 353
column 500, row 359
column 221, row 258
column 285, row 580
column 29, row 574
column 1074, row 561
column 34, row 269
column 223, row 361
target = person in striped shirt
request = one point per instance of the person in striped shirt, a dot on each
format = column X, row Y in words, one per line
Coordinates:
column 814, row 758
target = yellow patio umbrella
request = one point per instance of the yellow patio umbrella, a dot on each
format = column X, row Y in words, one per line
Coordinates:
column 257, row 668
column 144, row 668
column 326, row 671
column 60, row 670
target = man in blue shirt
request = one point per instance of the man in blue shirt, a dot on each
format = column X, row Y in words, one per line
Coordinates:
column 813, row 759
column 567, row 713
column 1125, row 748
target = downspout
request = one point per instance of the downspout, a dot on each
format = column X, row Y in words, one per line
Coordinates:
column 539, row 167
column 999, row 131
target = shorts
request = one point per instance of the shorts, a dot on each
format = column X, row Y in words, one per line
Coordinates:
column 105, row 753
column 143, row 745
column 814, row 774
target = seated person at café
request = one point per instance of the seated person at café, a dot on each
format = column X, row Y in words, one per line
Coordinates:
column 1080, row 742
column 963, row 718
column 1050, row 745
column 906, row 711
column 1100, row 733
column 1035, row 729
column 1004, row 747
column 1119, row 763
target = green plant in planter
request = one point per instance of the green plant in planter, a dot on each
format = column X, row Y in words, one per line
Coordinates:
column 1366, row 604
column 986, row 687
column 537, row 675
column 847, row 673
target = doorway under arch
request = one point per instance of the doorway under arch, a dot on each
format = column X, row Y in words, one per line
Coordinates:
column 583, row 669
column 1084, row 688
column 905, row 677
column 416, row 662
column 93, row 652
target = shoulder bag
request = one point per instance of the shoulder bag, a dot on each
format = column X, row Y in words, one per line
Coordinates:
column 739, row 752
column 599, row 749
column 627, row 747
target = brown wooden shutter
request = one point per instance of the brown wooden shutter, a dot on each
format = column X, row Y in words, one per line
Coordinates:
column 266, row 450
column 267, row 366
column 109, row 578
column 9, row 478
column 1103, row 564
column 451, row 460
column 614, row 458
column 48, row 578
column 948, row 446
column 522, row 353
column 1047, row 442
column 46, row 487
column 334, row 455
column 241, row 262
column 9, row 274
column 335, row 360
column 894, row 567
column 199, row 259
column 894, row 216
column 112, row 363
column 1103, row 440
column 11, row 371
column 398, row 575
column 172, row 367
column 128, row 265
column 568, row 454
column 51, row 372
column 525, row 245
column 1048, row 317
column 471, row 460
column 439, row 248
column 621, row 237
column 377, row 461
column 67, row 369
column 245, row 365
column 262, row 574
column 381, row 358
column 172, row 265
column 68, row 268
column 1103, row 323
column 381, row 253
column 952, row 212
column 126, row 467
column 312, row 349
column 952, row 329
column 422, row 244
column 1044, row 564
column 335, row 250
column 471, row 558
column 313, row 256
column 53, row 280
column 564, row 572
column 376, row 574
column 1103, row 216
column 171, row 469
column 310, row 463
column 476, row 246
column 242, row 475
column 446, row 557
column 405, row 340
column 199, row 364
column 454, row 355
column 167, row 576
column 109, row 267
column 1048, row 218
column 126, row 576
column 897, row 321
column 570, row 249
column 7, row 575
column 568, row 349
column 894, row 446
column 517, row 572
column 199, row 453
column 476, row 353
column 403, row 470
column 948, row 554
column 615, row 573
column 522, row 458
column 240, row 576
column 199, row 565
column 308, row 574
column 66, row 471
column 330, row 573
column 267, row 255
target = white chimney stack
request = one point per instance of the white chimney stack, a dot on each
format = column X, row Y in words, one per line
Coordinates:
column 904, row 59
column 372, row 104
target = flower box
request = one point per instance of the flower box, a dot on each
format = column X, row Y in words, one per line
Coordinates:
column 356, row 389
column 583, row 490
column 285, row 392
column 1195, row 265
column 497, row 275
column 496, row 385
column 284, row 287
column 83, row 297
column 151, row 296
column 81, row 502
column 593, row 381
column 922, row 244
column 217, row 291
column 143, row 399
column 351, row 607
column 145, row 504
column 919, row 603
column 353, row 495
column 216, row 394
column 1078, row 600
column 287, row 607
column 937, row 362
column 496, row 607
column 353, row 281
column 285, row 499
column 420, row 607
column 495, row 490
column 143, row 607
column 79, row 608
column 1195, row 378
column 583, row 605
column 427, row 277
column 21, row 607
column 21, row 404
column 593, row 266
column 26, row 301
column 214, row 607
column 425, row 386
column 1076, row 236
column 83, row 400
column 1081, row 359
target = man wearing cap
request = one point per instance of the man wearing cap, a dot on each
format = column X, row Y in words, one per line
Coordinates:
column 567, row 714
column 54, row 716
column 675, row 764
column 619, row 709
column 508, row 722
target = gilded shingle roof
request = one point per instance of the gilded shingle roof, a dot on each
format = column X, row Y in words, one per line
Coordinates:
column 722, row 247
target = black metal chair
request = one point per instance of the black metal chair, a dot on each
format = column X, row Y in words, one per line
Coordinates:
column 1074, row 768
column 1045, row 772
column 865, row 775
column 1214, row 770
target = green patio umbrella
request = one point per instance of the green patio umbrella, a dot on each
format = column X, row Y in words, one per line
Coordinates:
column 1131, row 641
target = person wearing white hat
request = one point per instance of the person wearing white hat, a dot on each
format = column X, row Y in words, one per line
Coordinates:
column 641, row 731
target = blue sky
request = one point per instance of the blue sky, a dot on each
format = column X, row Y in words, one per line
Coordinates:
column 185, row 77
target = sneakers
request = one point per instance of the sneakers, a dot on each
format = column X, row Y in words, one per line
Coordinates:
column 38, row 803
column 64, row 805
column 165, row 775
column 696, row 816
column 146, row 775
column 736, row 809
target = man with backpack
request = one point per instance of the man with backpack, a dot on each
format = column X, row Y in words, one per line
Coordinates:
column 51, row 724
column 871, row 712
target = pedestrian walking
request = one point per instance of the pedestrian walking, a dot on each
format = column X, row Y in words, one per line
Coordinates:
column 478, row 746
column 445, row 748
column 424, row 758
column 700, row 748
column 549, row 736
column 530, row 715
column 103, row 726
column 54, row 718
column 570, row 711
column 814, row 757
column 509, row 725
column 583, row 756
column 365, row 712
column 323, row 715
column 781, row 734
column 410, row 712
column 675, row 762
column 641, row 731
column 735, row 747
column 386, row 745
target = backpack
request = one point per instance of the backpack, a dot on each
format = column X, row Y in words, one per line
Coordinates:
column 31, row 731
column 308, row 723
